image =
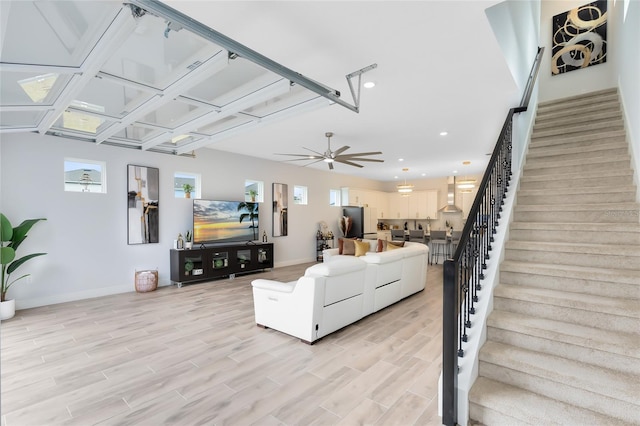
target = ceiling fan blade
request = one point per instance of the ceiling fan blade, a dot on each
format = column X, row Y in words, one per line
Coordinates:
column 343, row 161
column 358, row 154
column 349, row 158
column 315, row 152
column 305, row 159
column 340, row 150
column 305, row 156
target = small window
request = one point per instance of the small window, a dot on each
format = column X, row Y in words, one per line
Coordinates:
column 254, row 191
column 85, row 176
column 186, row 185
column 334, row 197
column 300, row 195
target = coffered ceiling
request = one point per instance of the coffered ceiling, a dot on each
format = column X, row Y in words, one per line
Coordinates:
column 114, row 73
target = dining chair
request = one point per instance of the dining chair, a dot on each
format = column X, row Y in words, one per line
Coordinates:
column 439, row 245
column 416, row 236
column 397, row 235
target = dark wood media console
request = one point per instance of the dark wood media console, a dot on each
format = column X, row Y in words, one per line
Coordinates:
column 207, row 263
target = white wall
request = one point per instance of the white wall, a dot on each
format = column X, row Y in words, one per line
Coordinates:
column 85, row 234
column 628, row 63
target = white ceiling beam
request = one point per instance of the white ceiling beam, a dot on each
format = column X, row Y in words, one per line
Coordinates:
column 245, row 101
column 121, row 27
column 181, row 20
column 300, row 108
column 211, row 66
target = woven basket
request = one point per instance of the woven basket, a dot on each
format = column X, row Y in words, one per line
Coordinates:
column 146, row 281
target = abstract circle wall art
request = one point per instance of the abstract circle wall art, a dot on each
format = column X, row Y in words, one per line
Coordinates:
column 579, row 38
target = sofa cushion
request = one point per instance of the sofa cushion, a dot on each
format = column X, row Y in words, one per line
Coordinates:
column 362, row 247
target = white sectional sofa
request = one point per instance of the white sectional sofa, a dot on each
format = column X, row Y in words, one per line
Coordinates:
column 340, row 291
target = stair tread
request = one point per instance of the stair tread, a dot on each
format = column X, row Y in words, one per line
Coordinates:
column 587, row 302
column 581, row 272
column 564, row 226
column 592, row 161
column 578, row 191
column 599, row 94
column 626, row 344
column 598, row 380
column 532, row 407
column 624, row 206
column 595, row 174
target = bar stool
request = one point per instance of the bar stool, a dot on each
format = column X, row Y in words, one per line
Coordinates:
column 439, row 245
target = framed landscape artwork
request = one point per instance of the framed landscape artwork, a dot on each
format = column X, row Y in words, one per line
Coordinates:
column 579, row 38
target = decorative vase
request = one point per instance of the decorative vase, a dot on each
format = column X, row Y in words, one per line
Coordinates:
column 7, row 309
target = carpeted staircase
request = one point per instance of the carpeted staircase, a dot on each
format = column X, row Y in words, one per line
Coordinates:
column 563, row 341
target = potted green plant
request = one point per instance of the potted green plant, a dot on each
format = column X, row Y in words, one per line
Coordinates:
column 188, row 189
column 253, row 194
column 11, row 238
column 188, row 244
column 188, row 267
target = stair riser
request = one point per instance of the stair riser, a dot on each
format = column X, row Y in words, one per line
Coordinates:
column 545, row 168
column 621, row 261
column 487, row 416
column 609, row 197
column 573, row 285
column 585, row 129
column 584, row 317
column 576, row 216
column 584, row 138
column 611, row 106
column 577, row 105
column 587, row 119
column 586, row 355
column 594, row 144
column 563, row 392
column 591, row 237
column 543, row 157
column 568, row 183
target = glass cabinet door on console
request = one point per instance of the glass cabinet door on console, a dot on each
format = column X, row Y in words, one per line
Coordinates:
column 220, row 260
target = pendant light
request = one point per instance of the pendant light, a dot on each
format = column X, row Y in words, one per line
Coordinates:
column 404, row 188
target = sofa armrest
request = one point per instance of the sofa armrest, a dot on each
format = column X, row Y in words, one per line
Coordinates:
column 274, row 285
column 329, row 253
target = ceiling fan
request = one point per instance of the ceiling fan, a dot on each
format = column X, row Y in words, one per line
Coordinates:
column 337, row 156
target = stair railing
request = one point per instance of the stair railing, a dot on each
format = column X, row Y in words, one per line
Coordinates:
column 463, row 273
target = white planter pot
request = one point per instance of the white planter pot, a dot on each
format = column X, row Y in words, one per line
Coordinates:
column 7, row 309
column 188, row 245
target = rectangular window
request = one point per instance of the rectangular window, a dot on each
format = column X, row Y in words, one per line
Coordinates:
column 334, row 197
column 85, row 175
column 300, row 195
column 253, row 191
column 186, row 185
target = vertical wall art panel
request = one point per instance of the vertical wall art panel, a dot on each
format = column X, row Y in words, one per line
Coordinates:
column 143, row 187
column 280, row 209
column 579, row 38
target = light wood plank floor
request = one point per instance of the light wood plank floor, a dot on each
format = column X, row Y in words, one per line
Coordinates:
column 193, row 355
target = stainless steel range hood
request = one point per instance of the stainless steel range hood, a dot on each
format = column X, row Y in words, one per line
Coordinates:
column 451, row 197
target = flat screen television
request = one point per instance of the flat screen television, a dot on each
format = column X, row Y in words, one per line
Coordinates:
column 217, row 221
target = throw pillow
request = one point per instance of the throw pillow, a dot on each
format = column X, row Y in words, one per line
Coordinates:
column 393, row 246
column 397, row 243
column 361, row 248
column 382, row 245
column 346, row 246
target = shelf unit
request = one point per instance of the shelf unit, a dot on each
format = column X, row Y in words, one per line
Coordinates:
column 207, row 263
column 322, row 242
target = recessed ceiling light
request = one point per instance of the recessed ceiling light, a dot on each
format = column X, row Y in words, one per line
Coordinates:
column 424, row 174
column 395, row 177
column 400, row 159
column 455, row 171
column 466, row 163
column 444, row 133
column 369, row 84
